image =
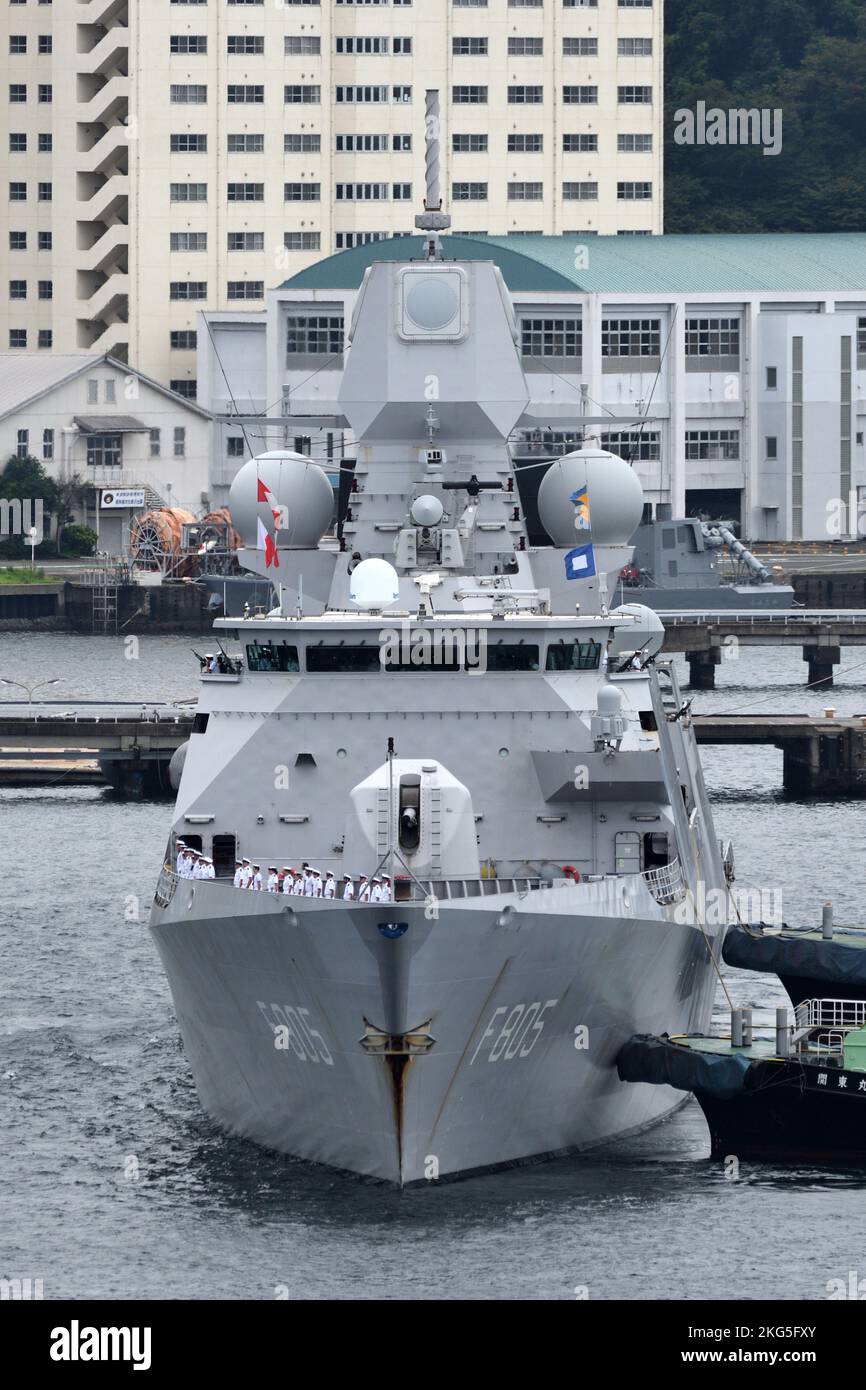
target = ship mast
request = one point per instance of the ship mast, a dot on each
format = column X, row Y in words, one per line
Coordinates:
column 432, row 220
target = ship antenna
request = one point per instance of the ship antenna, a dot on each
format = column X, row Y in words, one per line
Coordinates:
column 432, row 220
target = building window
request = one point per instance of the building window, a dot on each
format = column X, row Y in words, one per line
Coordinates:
column 302, row 144
column 17, row 93
column 155, row 443
column 525, row 192
column 188, row 241
column 46, row 142
column 92, row 391
column 184, row 386
column 183, row 339
column 713, row 337
column 46, row 192
column 110, row 391
column 45, row 338
column 469, row 192
column 246, row 144
column 580, row 96
column 245, row 192
column 48, row 444
column 302, row 241
column 634, row 48
column 299, row 95
column 188, row 144
column 180, row 440
column 469, row 144
column 189, row 192
column 469, row 47
column 580, row 48
column 702, row 445
column 360, row 192
column 45, row 241
column 314, row 335
column 580, row 144
column 187, row 94
column 298, row 44
column 17, row 289
column 524, row 144
column 469, row 96
column 104, row 450
column 188, row 289
column 771, row 447
column 17, row 241
column 581, row 192
column 236, row 448
column 22, row 448
column 633, row 444
column 630, row 337
column 245, row 43
column 188, row 43
column 634, row 96
column 246, row 289
column 246, row 241
column 402, row 144
column 634, row 144
column 773, row 377
column 631, row 191
column 18, row 192
column 350, row 96
column 18, row 143
column 245, row 94
column 303, row 192
column 525, row 96
column 522, row 47
column 560, row 337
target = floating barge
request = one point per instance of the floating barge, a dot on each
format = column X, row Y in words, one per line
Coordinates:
column 809, row 963
column 797, row 1096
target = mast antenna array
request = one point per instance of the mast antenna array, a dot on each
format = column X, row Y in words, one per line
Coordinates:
column 432, row 220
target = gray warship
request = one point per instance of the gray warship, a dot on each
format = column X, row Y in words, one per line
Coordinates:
column 436, row 697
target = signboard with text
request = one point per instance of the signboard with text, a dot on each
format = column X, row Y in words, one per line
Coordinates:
column 123, row 497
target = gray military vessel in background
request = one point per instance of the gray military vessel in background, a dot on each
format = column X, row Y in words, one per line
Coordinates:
column 437, row 698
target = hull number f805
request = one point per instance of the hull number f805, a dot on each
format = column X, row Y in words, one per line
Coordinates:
column 513, row 1031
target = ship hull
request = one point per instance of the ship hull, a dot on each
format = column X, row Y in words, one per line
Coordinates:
column 525, row 1011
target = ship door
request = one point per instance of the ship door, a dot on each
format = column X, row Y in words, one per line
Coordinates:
column 627, row 848
column 224, row 850
column 656, row 850
column 410, row 811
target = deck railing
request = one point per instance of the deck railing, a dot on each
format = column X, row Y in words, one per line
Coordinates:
column 831, row 1013
column 666, row 883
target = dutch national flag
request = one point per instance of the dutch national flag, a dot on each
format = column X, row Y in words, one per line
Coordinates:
column 580, row 563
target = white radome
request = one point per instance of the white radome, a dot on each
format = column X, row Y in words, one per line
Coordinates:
column 300, row 489
column 373, row 585
column 427, row 511
column 614, row 492
column 645, row 631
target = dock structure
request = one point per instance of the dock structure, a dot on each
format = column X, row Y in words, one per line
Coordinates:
column 707, row 637
column 130, row 749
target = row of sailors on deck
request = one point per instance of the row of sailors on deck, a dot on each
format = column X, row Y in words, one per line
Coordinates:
column 307, row 882
column 191, row 864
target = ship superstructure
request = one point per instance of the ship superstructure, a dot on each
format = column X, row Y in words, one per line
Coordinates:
column 436, row 698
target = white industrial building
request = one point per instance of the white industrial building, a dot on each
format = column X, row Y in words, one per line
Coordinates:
column 131, row 443
column 732, row 368
column 165, row 158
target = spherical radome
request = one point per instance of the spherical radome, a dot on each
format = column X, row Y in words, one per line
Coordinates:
column 645, row 631
column 427, row 511
column 374, row 585
column 614, row 493
column 301, row 492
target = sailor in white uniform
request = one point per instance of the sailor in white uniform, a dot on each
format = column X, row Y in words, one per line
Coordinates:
column 209, row 870
column 318, row 887
column 363, row 889
column 273, row 881
column 298, row 886
column 376, row 895
column 386, row 889
column 348, row 889
column 247, row 874
column 239, row 874
column 256, row 880
column 288, row 879
column 179, row 865
column 309, row 884
column 330, row 888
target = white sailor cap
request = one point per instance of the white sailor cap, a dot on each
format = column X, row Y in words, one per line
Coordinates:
column 376, row 880
column 386, row 878
column 363, row 878
column 347, row 878
column 245, row 861
column 328, row 874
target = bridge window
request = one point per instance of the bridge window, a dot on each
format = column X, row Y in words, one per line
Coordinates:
column 344, row 659
column 573, row 656
column 266, row 656
column 511, row 656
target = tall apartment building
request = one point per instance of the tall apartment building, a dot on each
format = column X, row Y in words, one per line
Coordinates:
column 166, row 156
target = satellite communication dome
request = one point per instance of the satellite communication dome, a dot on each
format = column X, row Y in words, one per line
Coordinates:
column 299, row 491
column 427, row 511
column 373, row 585
column 644, row 633
column 614, row 498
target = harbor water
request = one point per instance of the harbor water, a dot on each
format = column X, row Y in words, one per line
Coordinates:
column 114, row 1184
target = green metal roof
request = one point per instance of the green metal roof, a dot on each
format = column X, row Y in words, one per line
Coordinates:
column 769, row 262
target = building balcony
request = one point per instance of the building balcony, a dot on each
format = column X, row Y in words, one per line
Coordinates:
column 109, row 103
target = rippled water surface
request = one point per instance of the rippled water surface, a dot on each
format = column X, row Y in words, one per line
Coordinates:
column 94, row 1086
